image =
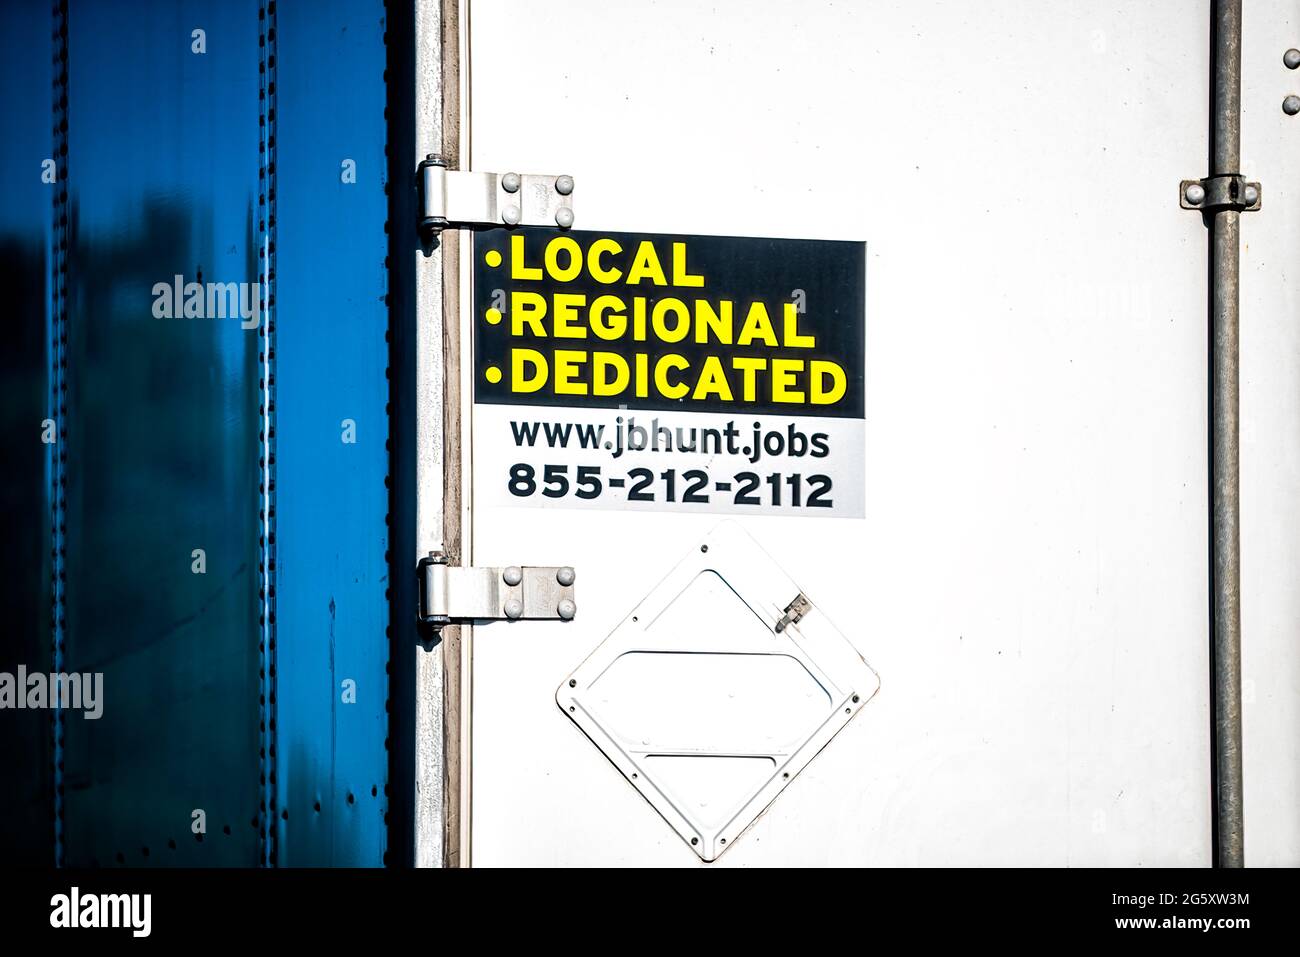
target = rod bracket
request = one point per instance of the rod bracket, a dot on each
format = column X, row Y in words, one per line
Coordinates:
column 1217, row 193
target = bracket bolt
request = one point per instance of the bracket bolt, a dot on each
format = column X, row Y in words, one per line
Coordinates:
column 564, row 185
column 514, row 609
column 1195, row 193
column 565, row 576
column 566, row 609
column 1291, row 105
column 564, row 217
column 510, row 182
column 1250, row 195
column 510, row 215
column 513, row 575
column 1291, row 58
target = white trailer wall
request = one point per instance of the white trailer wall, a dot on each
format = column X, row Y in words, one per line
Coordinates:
column 1031, row 578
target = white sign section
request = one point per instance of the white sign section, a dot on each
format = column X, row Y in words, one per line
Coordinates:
column 717, row 689
column 669, row 373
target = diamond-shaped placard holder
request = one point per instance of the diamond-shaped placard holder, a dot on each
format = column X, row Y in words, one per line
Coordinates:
column 707, row 708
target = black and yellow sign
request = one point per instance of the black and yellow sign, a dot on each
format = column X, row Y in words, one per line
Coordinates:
column 690, row 323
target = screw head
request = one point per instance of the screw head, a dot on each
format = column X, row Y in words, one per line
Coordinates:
column 1250, row 195
column 1194, row 194
column 564, row 217
column 564, row 185
column 1291, row 105
column 565, row 576
column 566, row 609
column 510, row 215
column 510, row 182
column 1291, row 58
column 514, row 609
column 513, row 575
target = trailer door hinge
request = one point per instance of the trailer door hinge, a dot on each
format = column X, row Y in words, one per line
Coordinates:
column 450, row 594
column 452, row 198
column 1215, row 193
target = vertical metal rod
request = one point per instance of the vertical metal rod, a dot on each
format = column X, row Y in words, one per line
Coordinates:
column 430, row 797
column 456, row 639
column 1224, row 452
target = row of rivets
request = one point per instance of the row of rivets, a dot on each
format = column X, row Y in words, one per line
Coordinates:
column 1195, row 194
column 1291, row 59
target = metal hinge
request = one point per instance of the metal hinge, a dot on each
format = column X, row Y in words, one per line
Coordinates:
column 451, row 198
column 794, row 611
column 450, row 594
column 1216, row 193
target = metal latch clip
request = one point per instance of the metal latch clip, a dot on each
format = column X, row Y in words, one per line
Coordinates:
column 793, row 612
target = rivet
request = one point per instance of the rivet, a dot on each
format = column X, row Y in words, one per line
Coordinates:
column 565, row 576
column 514, row 609
column 513, row 575
column 510, row 215
column 510, row 182
column 1250, row 195
column 564, row 185
column 564, row 217
column 566, row 609
column 1194, row 193
column 1291, row 58
column 1291, row 105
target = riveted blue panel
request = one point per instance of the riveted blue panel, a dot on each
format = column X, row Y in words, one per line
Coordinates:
column 162, row 517
column 224, row 528
column 331, row 430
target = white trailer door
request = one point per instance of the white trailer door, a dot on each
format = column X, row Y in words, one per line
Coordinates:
column 1028, row 576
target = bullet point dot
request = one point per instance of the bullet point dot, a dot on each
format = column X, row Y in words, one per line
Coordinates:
column 493, row 374
column 494, row 316
column 492, row 258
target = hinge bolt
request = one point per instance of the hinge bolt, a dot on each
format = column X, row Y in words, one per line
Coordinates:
column 510, row 182
column 514, row 609
column 566, row 609
column 1291, row 58
column 564, row 185
column 564, row 217
column 1250, row 195
column 510, row 215
column 1195, row 193
column 513, row 575
column 565, row 576
column 1291, row 105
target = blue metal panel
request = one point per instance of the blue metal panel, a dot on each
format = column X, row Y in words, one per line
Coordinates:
column 28, row 484
column 163, row 433
column 331, row 432
column 226, row 497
